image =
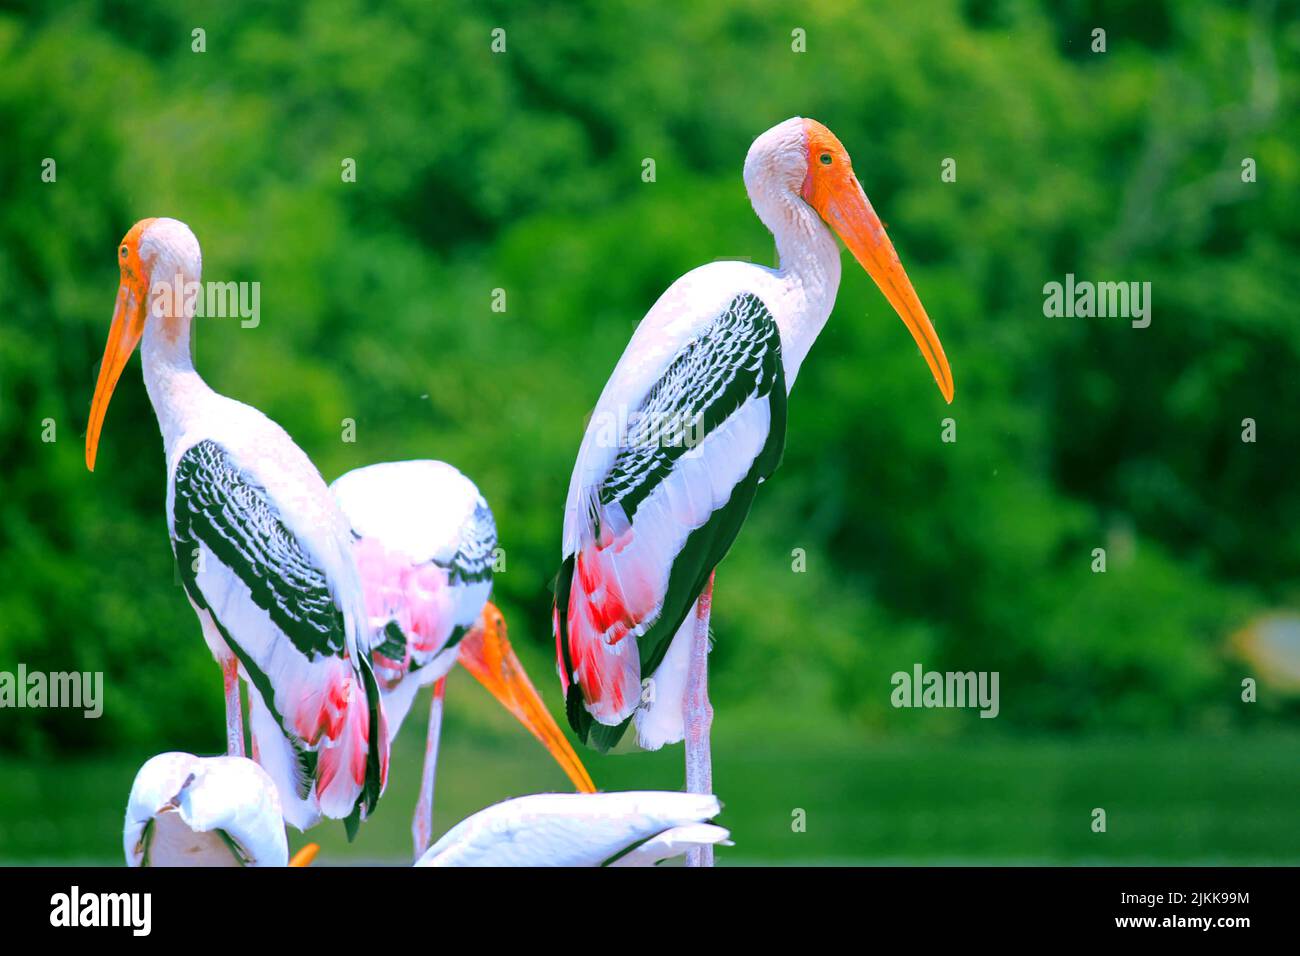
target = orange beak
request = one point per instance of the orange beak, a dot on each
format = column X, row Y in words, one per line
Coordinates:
column 487, row 654
column 305, row 856
column 835, row 193
column 123, row 336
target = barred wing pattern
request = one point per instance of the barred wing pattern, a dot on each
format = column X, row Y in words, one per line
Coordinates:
column 666, row 512
column 218, row 505
column 472, row 562
column 273, row 605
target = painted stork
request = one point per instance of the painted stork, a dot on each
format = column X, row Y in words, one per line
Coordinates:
column 203, row 811
column 225, row 811
column 637, row 828
column 263, row 551
column 689, row 424
column 425, row 543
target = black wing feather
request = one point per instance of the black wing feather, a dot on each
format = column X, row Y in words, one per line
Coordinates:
column 222, row 506
column 473, row 560
column 738, row 358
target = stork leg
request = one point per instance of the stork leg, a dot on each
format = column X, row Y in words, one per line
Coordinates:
column 699, row 716
column 422, row 824
column 234, row 711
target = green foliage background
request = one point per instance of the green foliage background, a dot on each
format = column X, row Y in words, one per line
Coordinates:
column 522, row 171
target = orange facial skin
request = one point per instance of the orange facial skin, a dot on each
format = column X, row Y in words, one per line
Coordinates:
column 833, row 190
column 124, row 334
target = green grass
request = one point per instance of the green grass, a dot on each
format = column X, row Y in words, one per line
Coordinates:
column 1187, row 800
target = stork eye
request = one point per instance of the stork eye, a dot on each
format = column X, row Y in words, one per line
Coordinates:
column 825, row 158
column 124, row 252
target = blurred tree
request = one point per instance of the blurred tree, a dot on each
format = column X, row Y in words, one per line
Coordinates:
column 521, row 171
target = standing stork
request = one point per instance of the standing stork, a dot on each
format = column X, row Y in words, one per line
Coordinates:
column 654, row 506
column 263, row 552
column 425, row 543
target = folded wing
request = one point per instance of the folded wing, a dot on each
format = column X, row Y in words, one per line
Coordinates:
column 272, row 596
column 577, row 829
column 652, row 525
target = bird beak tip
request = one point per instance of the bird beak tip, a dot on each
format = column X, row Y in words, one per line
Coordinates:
column 849, row 213
column 486, row 653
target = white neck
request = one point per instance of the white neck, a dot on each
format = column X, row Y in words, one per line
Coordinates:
column 175, row 388
column 809, row 269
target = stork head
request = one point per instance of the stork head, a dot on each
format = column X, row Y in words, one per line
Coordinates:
column 801, row 160
column 486, row 653
column 185, row 810
column 162, row 249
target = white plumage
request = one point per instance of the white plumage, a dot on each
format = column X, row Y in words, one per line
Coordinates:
column 636, row 828
column 203, row 811
column 419, row 513
column 263, row 552
column 269, row 458
column 425, row 544
column 799, row 295
column 645, row 529
column 417, row 507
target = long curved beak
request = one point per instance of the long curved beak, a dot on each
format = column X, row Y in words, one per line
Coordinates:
column 487, row 654
column 849, row 213
column 123, row 336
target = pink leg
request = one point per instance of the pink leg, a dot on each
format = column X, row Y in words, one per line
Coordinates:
column 234, row 711
column 699, row 716
column 422, row 824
